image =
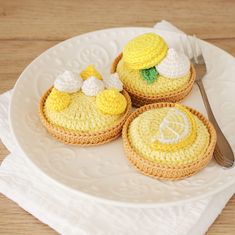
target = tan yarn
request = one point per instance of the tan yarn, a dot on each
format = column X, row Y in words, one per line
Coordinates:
column 138, row 99
column 167, row 172
column 83, row 138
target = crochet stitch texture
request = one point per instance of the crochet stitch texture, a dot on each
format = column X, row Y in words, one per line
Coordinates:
column 111, row 102
column 81, row 115
column 144, row 51
column 145, row 127
column 172, row 125
column 134, row 81
column 58, row 101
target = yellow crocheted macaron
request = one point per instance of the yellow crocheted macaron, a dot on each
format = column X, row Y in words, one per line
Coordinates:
column 168, row 141
column 144, row 51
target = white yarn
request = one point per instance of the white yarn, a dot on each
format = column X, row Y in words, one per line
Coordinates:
column 113, row 81
column 68, row 82
column 92, row 86
column 165, row 124
column 174, row 65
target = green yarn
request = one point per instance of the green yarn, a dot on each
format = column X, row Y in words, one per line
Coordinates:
column 149, row 75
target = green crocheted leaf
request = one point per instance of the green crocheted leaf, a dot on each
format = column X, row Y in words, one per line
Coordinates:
column 149, row 75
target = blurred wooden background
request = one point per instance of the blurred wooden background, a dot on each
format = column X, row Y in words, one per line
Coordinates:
column 27, row 28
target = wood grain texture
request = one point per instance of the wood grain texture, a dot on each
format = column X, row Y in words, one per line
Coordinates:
column 27, row 28
column 49, row 20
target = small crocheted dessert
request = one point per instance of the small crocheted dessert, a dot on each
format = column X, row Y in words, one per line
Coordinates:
column 85, row 108
column 168, row 140
column 151, row 72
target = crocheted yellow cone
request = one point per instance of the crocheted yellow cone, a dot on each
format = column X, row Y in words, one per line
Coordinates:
column 151, row 72
column 71, row 113
column 168, row 141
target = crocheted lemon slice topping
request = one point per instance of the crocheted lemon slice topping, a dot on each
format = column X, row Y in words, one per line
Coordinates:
column 144, row 51
column 177, row 130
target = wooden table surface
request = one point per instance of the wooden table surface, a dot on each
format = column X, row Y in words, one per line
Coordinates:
column 27, row 28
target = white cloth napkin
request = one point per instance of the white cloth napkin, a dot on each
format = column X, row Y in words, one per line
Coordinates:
column 69, row 214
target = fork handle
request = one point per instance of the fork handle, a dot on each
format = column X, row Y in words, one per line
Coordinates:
column 222, row 145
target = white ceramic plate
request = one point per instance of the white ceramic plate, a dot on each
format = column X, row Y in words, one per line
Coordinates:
column 103, row 172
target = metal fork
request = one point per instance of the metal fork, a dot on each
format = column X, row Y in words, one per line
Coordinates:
column 223, row 153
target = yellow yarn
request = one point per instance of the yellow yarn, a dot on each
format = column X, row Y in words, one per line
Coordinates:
column 133, row 80
column 144, row 51
column 57, row 101
column 90, row 71
column 178, row 125
column 81, row 115
column 146, row 125
column 111, row 102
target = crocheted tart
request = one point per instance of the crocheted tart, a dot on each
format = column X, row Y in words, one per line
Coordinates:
column 168, row 140
column 85, row 108
column 151, row 72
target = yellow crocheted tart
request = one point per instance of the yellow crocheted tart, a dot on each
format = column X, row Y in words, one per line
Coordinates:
column 151, row 72
column 134, row 82
column 168, row 140
column 81, row 114
column 85, row 109
column 148, row 126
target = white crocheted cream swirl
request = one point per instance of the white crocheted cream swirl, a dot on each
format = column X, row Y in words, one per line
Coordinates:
column 174, row 65
column 113, row 81
column 68, row 82
column 92, row 86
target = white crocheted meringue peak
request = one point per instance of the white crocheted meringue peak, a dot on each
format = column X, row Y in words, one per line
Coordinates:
column 174, row 65
column 68, row 82
column 113, row 81
column 92, row 86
